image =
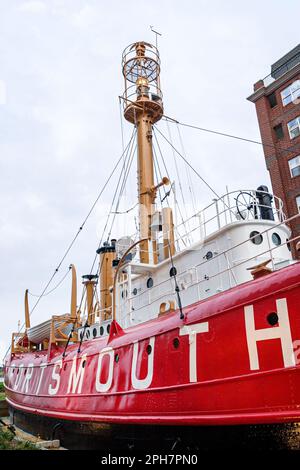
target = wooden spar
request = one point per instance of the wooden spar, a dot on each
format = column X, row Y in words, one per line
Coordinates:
column 168, row 232
column 74, row 294
column 89, row 281
column 120, row 264
column 141, row 66
column 27, row 315
column 107, row 255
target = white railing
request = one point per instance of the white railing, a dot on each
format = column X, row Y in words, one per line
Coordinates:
column 268, row 253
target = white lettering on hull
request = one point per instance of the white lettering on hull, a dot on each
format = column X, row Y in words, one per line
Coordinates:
column 142, row 384
column 19, row 375
column 28, row 376
column 282, row 332
column 52, row 390
column 76, row 376
column 192, row 331
column 105, row 386
column 42, row 367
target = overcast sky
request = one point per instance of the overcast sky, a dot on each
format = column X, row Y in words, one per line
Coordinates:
column 60, row 131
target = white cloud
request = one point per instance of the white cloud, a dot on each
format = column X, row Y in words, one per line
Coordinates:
column 34, row 6
column 84, row 17
column 2, row 92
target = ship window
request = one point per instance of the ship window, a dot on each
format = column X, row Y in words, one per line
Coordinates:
column 256, row 238
column 276, row 239
column 294, row 127
column 134, row 291
column 94, row 332
column 150, row 283
column 279, row 131
column 149, row 349
column 176, row 343
column 272, row 100
column 108, row 328
column 101, row 330
column 83, row 364
column 87, row 334
column 291, row 94
column 117, row 357
column 294, row 165
column 272, row 318
column 173, row 271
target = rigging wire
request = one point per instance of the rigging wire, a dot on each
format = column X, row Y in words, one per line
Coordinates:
column 128, row 162
column 78, row 232
column 192, row 168
column 188, row 173
column 166, row 170
column 232, row 136
column 54, row 288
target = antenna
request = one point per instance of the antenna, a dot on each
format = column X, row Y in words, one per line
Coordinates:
column 156, row 34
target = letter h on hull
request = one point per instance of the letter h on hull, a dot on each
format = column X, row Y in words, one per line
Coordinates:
column 282, row 332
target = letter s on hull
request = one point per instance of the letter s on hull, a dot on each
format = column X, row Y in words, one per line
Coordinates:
column 52, row 390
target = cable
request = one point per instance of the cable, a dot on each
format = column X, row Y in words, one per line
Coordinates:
column 231, row 136
column 78, row 232
column 54, row 288
column 194, row 170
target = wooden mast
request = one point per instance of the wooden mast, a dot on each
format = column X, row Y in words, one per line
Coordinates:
column 144, row 107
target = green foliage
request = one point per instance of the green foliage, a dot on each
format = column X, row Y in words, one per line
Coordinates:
column 8, row 441
column 2, row 387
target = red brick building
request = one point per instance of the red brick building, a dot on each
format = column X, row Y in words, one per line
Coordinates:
column 277, row 102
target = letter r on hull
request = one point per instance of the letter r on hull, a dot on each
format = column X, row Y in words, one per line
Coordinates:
column 282, row 332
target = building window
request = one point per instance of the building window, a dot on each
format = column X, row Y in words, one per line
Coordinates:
column 279, row 131
column 294, row 165
column 298, row 203
column 291, row 93
column 294, row 127
column 272, row 100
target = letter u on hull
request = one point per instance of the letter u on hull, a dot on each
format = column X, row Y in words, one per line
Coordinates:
column 142, row 384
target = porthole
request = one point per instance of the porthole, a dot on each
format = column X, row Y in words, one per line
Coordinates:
column 101, row 330
column 94, row 332
column 256, row 237
column 108, row 328
column 173, row 271
column 124, row 294
column 276, row 239
column 272, row 318
column 83, row 364
column 176, row 343
column 117, row 358
column 149, row 349
column 134, row 291
column 87, row 334
column 209, row 255
column 150, row 283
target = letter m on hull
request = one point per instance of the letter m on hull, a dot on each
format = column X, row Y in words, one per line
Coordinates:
column 76, row 375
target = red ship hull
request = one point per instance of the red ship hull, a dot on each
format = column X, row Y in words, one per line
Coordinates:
column 227, row 362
